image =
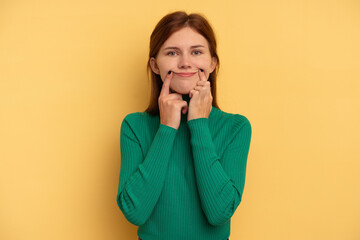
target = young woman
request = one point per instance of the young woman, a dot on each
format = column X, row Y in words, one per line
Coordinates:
column 183, row 160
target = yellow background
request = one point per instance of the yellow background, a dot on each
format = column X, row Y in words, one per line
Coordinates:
column 71, row 70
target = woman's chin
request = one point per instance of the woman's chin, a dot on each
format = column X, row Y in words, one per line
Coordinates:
column 182, row 90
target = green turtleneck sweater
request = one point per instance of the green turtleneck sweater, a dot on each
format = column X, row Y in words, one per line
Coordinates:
column 185, row 183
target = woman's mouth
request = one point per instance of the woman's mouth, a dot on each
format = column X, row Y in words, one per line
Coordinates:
column 187, row 74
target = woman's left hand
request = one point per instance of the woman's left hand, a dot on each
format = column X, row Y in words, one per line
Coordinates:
column 201, row 99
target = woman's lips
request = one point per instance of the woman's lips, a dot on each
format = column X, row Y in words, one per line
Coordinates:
column 185, row 74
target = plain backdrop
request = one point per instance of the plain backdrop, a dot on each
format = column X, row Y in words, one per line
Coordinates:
column 70, row 71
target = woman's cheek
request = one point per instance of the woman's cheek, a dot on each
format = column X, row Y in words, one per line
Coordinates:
column 206, row 70
column 163, row 76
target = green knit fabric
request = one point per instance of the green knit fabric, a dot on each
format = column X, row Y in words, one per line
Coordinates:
column 185, row 183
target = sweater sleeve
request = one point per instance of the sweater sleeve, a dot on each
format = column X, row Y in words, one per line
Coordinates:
column 220, row 181
column 141, row 180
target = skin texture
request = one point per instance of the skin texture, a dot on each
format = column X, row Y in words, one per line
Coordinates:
column 185, row 51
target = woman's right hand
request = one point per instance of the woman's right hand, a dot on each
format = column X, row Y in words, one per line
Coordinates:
column 171, row 104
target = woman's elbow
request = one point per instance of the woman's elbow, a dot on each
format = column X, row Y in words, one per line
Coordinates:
column 130, row 213
column 223, row 215
column 219, row 221
column 135, row 220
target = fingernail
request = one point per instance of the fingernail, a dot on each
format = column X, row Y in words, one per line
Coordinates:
column 201, row 70
column 169, row 72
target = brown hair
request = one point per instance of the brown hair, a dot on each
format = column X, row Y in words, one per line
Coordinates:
column 169, row 24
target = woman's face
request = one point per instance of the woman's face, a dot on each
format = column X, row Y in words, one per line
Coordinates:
column 184, row 53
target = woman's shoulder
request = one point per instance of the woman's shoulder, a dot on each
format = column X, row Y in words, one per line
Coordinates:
column 140, row 119
column 235, row 120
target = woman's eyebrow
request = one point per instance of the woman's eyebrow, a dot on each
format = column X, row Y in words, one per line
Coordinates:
column 171, row 48
column 197, row 46
column 176, row 48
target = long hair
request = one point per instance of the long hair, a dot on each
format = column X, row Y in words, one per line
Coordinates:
column 169, row 24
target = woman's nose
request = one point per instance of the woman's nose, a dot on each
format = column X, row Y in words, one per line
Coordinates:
column 184, row 61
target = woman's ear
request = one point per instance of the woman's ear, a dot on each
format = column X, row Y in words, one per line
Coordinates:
column 213, row 64
column 154, row 66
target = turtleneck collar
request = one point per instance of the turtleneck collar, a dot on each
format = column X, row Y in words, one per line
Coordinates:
column 186, row 98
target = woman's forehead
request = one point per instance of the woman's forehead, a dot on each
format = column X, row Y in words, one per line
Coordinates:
column 185, row 38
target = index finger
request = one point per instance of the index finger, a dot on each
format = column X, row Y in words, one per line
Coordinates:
column 165, row 90
column 202, row 75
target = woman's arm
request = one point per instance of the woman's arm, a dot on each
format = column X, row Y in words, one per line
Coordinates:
column 141, row 180
column 220, row 181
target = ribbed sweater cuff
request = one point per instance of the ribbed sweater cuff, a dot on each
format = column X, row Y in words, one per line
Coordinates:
column 161, row 150
column 204, row 150
column 201, row 139
column 165, row 129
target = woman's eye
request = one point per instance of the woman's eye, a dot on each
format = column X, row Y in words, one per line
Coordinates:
column 171, row 53
column 197, row 52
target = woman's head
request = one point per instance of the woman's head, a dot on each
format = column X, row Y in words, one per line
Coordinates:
column 183, row 44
